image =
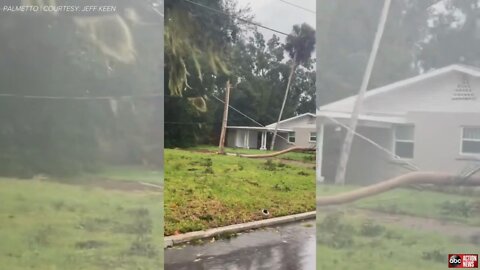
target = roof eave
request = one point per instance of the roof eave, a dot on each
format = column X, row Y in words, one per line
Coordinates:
column 393, row 119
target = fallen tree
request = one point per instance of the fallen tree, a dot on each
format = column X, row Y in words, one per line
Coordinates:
column 413, row 178
column 278, row 153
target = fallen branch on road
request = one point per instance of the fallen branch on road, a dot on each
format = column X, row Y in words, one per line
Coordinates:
column 435, row 178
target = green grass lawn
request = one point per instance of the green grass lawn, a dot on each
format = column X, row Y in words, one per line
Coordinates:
column 131, row 173
column 205, row 190
column 460, row 208
column 303, row 156
column 353, row 243
column 50, row 225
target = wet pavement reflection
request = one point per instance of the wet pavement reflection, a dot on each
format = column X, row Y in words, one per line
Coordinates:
column 289, row 247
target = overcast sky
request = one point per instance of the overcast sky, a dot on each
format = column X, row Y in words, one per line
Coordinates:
column 279, row 15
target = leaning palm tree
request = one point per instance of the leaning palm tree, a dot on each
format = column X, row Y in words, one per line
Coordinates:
column 347, row 145
column 300, row 45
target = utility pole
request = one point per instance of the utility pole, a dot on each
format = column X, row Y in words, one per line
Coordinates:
column 347, row 145
column 221, row 145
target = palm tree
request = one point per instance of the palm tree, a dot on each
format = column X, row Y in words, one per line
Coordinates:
column 347, row 145
column 300, row 45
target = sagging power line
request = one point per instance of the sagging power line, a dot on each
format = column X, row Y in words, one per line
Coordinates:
column 80, row 97
column 248, row 117
column 412, row 166
column 238, row 18
column 298, row 6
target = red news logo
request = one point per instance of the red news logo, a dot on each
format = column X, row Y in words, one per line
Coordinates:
column 463, row 261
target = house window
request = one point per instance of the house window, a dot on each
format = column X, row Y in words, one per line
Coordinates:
column 404, row 141
column 471, row 140
column 291, row 137
column 313, row 136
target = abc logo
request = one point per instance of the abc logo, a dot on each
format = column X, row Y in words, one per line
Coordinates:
column 455, row 260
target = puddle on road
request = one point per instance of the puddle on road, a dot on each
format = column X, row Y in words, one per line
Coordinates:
column 290, row 247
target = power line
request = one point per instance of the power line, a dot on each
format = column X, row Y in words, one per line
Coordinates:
column 191, row 123
column 238, row 18
column 80, row 97
column 231, row 107
column 376, row 145
column 251, row 119
column 298, row 6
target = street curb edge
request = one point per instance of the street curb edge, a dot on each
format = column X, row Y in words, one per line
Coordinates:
column 170, row 241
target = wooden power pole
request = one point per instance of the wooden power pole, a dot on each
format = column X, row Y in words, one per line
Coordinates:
column 221, row 145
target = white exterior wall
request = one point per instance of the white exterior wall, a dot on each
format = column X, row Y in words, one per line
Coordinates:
column 305, row 120
column 302, row 126
column 367, row 164
column 302, row 136
column 437, row 147
column 438, row 140
column 430, row 95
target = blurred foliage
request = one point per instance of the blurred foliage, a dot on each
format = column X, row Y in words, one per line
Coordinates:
column 54, row 55
column 204, row 50
column 416, row 39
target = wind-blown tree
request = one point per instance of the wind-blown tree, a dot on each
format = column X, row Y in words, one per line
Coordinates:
column 262, row 77
column 198, row 41
column 347, row 144
column 195, row 44
column 203, row 50
column 300, row 45
column 345, row 31
column 64, row 136
column 259, row 77
column 454, row 36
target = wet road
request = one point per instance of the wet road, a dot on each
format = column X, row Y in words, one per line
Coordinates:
column 290, row 247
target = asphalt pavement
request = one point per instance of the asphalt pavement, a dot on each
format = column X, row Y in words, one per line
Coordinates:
column 287, row 247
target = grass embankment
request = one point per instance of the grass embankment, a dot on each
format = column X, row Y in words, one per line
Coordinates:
column 51, row 225
column 429, row 204
column 302, row 156
column 355, row 243
column 206, row 190
column 131, row 173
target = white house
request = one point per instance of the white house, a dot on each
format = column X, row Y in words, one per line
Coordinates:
column 428, row 122
column 296, row 131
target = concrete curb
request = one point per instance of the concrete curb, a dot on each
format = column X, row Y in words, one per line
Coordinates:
column 170, row 241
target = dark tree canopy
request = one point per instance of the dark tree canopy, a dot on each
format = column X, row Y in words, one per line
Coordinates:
column 256, row 67
column 50, row 55
column 416, row 39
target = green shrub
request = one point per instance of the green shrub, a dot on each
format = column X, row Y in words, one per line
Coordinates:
column 370, row 229
column 459, row 209
column 334, row 233
column 434, row 255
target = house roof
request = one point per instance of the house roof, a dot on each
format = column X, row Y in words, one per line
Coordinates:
column 345, row 106
column 259, row 128
column 271, row 127
column 366, row 117
column 291, row 118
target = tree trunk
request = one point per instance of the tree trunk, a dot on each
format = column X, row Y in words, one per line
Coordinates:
column 347, row 145
column 295, row 148
column 412, row 178
column 290, row 78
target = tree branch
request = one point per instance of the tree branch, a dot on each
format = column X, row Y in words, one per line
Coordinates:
column 436, row 178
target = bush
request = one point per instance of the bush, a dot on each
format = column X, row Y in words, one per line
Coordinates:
column 334, row 233
column 269, row 165
column 370, row 229
column 434, row 255
column 282, row 187
column 460, row 208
